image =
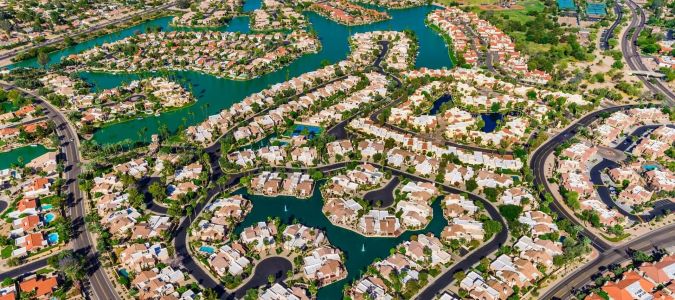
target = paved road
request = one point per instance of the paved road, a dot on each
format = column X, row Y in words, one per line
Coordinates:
column 275, row 265
column 603, row 190
column 81, row 242
column 385, row 195
column 607, row 35
column 632, row 56
column 22, row 123
column 24, row 269
column 663, row 237
column 88, row 31
column 150, row 204
column 538, row 160
column 447, row 143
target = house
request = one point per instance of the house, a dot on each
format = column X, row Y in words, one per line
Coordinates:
column 379, row 223
column 634, row 194
column 279, row 292
column 455, row 205
column 631, row 286
column 370, row 287
column 261, row 235
column 298, row 236
column 538, row 222
column 28, row 243
column 138, row 257
column 8, row 293
column 660, row 272
column 323, row 264
column 229, row 259
column 42, row 287
column 463, row 228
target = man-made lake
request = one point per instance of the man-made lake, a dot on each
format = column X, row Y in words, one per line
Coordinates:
column 215, row 94
column 21, row 155
column 359, row 251
column 491, row 120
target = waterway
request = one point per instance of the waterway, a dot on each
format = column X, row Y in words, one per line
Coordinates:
column 21, row 156
column 308, row 212
column 491, row 120
column 214, row 94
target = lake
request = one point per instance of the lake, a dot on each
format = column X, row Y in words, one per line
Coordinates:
column 214, row 94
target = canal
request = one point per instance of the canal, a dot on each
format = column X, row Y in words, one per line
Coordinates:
column 21, row 156
column 215, row 94
column 360, row 251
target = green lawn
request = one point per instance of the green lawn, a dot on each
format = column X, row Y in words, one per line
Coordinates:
column 469, row 2
column 7, row 251
column 521, row 14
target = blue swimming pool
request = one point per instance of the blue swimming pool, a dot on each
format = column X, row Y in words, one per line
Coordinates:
column 207, row 249
column 650, row 167
column 47, row 206
column 123, row 272
column 50, row 217
column 53, row 238
column 312, row 131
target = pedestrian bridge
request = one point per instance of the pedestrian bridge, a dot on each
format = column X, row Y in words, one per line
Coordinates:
column 648, row 73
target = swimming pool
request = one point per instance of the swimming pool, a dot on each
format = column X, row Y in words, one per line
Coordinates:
column 47, row 206
column 123, row 272
column 650, row 167
column 53, row 238
column 50, row 217
column 207, row 249
column 312, row 131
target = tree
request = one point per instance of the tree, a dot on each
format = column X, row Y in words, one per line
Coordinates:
column 510, row 211
column 157, row 191
column 459, row 276
column 471, row 185
column 572, row 200
column 43, row 58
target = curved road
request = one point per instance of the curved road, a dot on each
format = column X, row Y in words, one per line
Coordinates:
column 537, row 164
column 578, row 278
column 87, row 31
column 604, row 43
column 632, row 56
column 603, row 190
column 82, row 242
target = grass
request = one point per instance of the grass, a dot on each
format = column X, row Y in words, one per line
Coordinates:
column 520, row 15
column 616, row 238
column 470, row 2
column 7, row 251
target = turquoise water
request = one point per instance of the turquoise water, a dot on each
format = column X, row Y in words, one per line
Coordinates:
column 21, row 156
column 46, row 206
column 650, row 167
column 50, row 217
column 207, row 249
column 215, row 94
column 251, row 5
column 123, row 272
column 53, row 238
column 359, row 250
column 311, row 130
